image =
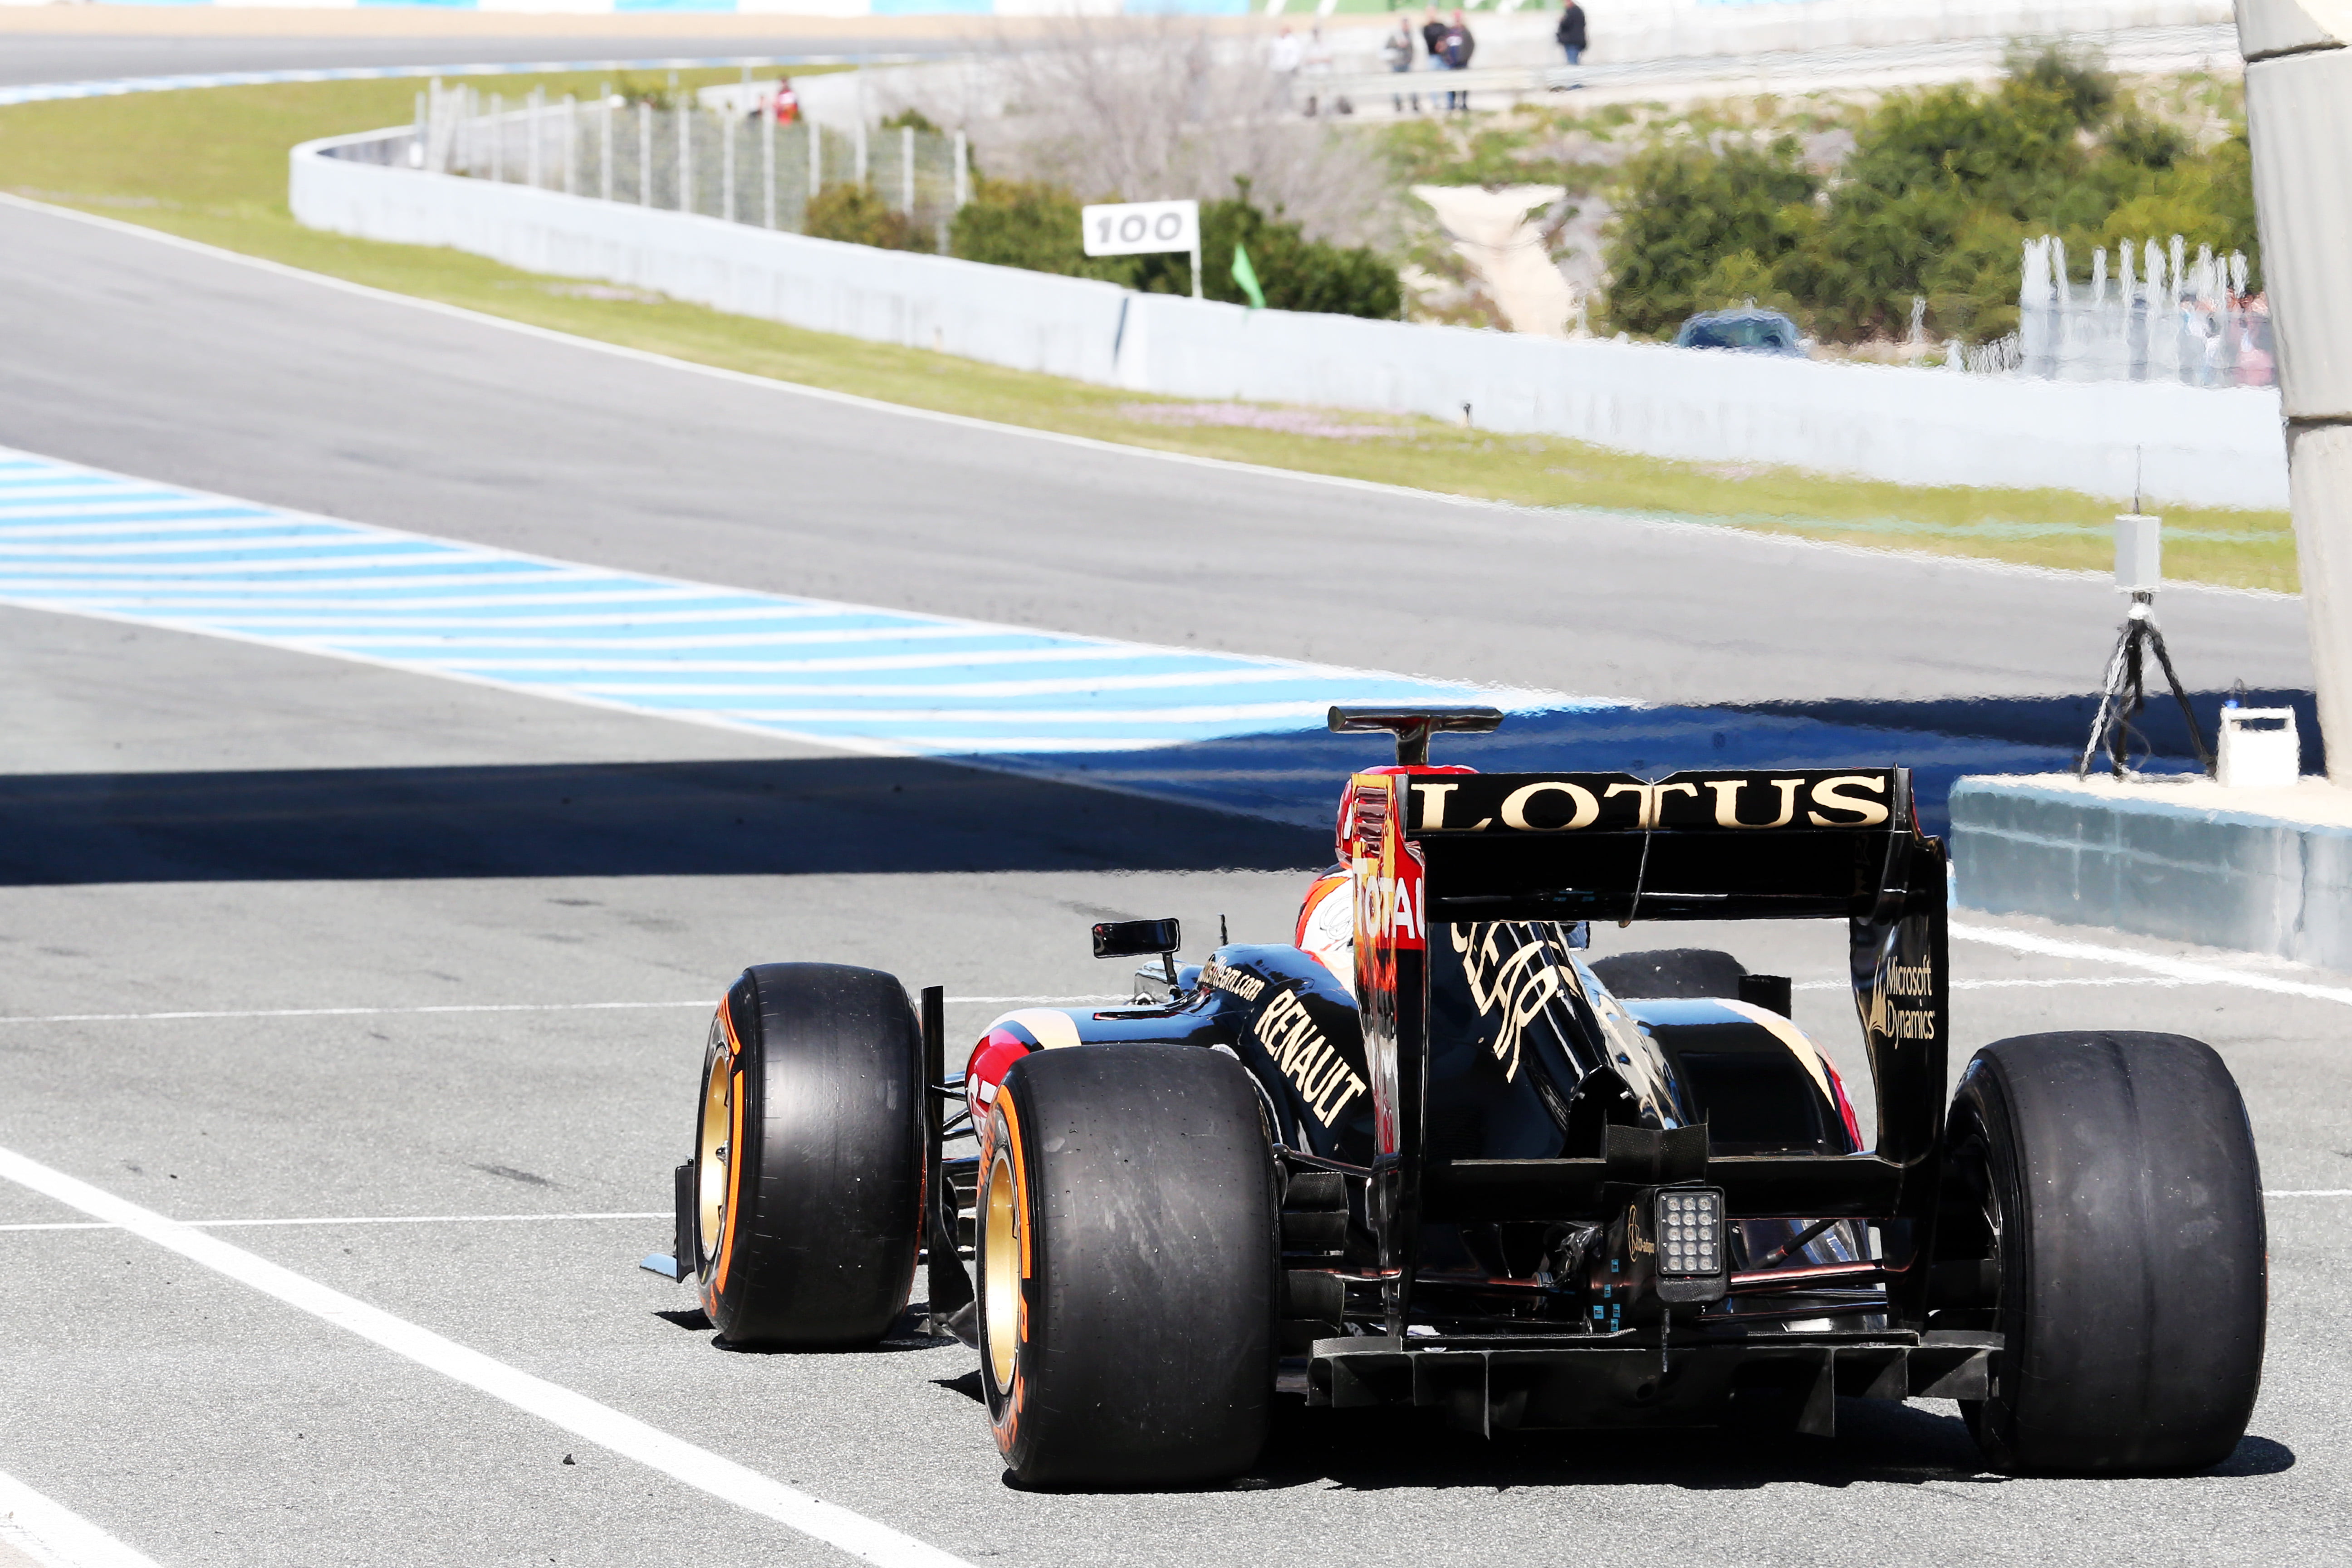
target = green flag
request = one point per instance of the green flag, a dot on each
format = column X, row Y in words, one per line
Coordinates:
column 1246, row 279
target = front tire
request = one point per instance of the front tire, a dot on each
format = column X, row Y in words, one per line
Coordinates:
column 809, row 1158
column 1129, row 1267
column 2122, row 1209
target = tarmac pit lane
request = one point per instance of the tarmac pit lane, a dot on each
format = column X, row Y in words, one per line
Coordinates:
column 157, row 1381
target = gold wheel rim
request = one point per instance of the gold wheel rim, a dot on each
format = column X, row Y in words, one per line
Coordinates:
column 710, row 1166
column 1001, row 1271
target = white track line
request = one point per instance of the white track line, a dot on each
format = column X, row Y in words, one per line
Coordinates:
column 351, row 1219
column 55, row 1536
column 2179, row 971
column 584, row 1417
column 470, row 1008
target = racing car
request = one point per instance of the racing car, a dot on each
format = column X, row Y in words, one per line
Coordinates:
column 1433, row 1153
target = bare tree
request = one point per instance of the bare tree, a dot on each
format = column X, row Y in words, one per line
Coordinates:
column 1152, row 109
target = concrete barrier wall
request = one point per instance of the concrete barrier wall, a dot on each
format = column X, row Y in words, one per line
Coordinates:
column 2189, row 870
column 1911, row 427
column 1030, row 321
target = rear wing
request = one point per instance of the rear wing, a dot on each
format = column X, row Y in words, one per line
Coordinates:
column 1434, row 851
column 1793, row 843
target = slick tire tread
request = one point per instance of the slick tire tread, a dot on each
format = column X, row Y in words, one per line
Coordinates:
column 822, row 1244
column 2133, row 1284
column 1147, row 1331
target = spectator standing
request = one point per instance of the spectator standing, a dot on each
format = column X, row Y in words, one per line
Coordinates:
column 1459, row 47
column 1400, row 53
column 785, row 104
column 1317, row 63
column 1571, row 32
column 1432, row 38
column 1283, row 59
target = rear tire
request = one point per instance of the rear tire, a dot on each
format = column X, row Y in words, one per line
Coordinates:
column 2117, row 1179
column 1130, row 1266
column 809, row 1158
column 1669, row 973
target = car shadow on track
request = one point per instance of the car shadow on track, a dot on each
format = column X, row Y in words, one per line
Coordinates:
column 905, row 1335
column 761, row 816
column 1878, row 1442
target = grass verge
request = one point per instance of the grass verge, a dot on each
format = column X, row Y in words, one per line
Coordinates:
column 210, row 164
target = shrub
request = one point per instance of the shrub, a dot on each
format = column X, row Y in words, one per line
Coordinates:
column 1296, row 272
column 1031, row 224
column 855, row 214
column 1940, row 189
column 1684, row 211
column 1035, row 226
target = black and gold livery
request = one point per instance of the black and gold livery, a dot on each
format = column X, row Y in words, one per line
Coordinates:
column 1469, row 1164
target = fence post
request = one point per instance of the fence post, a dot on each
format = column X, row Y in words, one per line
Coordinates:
column 962, row 172
column 685, row 159
column 727, row 125
column 859, row 172
column 497, row 138
column 571, row 145
column 534, row 158
column 416, row 137
column 644, row 153
column 816, row 168
column 906, row 170
column 768, row 165
column 604, row 142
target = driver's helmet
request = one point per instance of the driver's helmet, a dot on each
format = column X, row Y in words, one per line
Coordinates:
column 1327, row 917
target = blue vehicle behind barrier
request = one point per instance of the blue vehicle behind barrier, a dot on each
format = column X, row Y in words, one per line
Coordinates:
column 1749, row 331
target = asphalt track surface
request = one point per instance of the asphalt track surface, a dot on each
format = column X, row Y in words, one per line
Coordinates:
column 508, row 859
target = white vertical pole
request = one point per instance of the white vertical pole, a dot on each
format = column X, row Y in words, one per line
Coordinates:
column 534, row 159
column 685, row 159
column 816, row 165
column 604, row 142
column 498, row 137
column 644, row 153
column 571, row 145
column 1196, row 260
column 858, row 169
column 728, row 122
column 2299, row 120
column 416, row 138
column 906, row 170
column 962, row 172
column 768, row 165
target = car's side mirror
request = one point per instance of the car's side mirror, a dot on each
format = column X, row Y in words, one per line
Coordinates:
column 1136, row 939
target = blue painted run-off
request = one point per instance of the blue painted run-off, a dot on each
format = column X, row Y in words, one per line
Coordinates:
column 1224, row 729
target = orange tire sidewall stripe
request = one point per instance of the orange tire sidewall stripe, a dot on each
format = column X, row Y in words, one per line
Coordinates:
column 1020, row 1182
column 1008, row 1426
column 734, row 1148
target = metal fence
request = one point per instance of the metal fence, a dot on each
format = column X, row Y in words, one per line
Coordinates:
column 745, row 168
column 2160, row 315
